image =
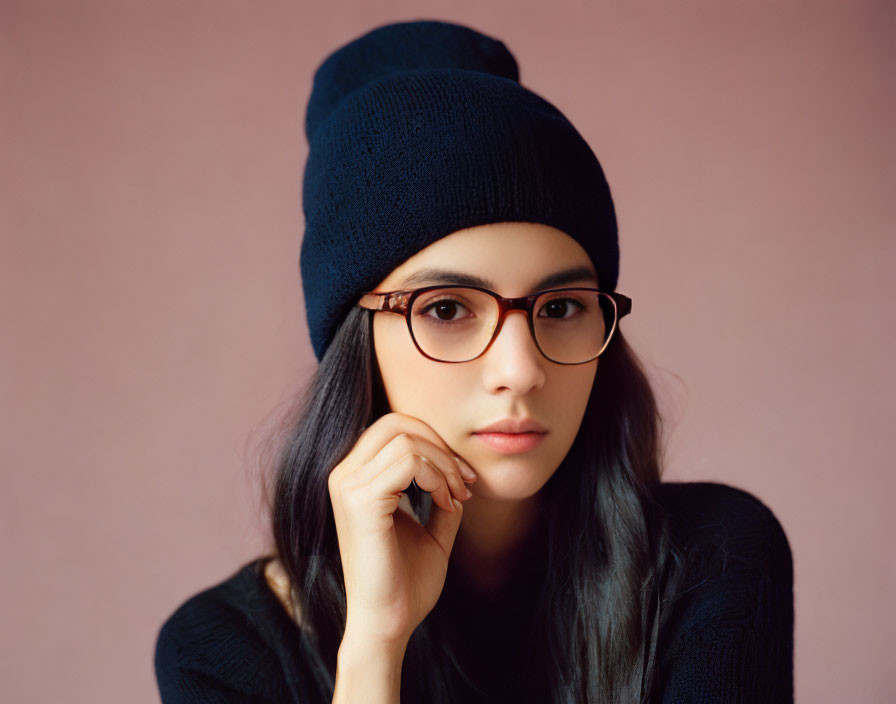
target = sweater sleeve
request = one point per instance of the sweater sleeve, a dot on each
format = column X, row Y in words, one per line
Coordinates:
column 734, row 642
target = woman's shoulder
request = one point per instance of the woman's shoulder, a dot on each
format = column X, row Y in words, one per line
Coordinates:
column 704, row 494
column 220, row 608
column 236, row 624
column 737, row 560
column 732, row 615
column 714, row 511
column 249, row 590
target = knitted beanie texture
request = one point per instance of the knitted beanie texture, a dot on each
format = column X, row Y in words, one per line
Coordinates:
column 417, row 130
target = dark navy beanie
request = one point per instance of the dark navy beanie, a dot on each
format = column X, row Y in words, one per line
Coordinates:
column 417, row 130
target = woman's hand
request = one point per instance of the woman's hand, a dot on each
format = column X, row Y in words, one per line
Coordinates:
column 394, row 567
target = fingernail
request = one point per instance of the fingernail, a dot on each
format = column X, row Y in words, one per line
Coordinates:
column 468, row 492
column 465, row 469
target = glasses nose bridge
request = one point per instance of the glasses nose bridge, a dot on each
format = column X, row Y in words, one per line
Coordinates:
column 508, row 305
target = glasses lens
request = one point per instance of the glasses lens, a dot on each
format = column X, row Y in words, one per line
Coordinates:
column 456, row 324
column 573, row 326
column 453, row 324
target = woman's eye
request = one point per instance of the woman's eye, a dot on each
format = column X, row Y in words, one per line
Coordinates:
column 561, row 308
column 444, row 310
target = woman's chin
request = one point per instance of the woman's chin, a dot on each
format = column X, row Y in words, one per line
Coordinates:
column 507, row 481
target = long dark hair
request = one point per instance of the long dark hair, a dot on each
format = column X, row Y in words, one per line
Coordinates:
column 600, row 615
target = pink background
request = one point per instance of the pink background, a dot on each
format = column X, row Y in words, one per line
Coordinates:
column 153, row 320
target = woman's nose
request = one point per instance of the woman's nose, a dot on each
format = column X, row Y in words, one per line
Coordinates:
column 514, row 361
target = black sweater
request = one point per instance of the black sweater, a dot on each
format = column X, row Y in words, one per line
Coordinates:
column 730, row 640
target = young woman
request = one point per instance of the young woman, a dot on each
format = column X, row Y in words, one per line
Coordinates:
column 467, row 505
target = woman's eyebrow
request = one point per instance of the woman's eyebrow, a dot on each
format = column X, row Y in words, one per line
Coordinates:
column 571, row 275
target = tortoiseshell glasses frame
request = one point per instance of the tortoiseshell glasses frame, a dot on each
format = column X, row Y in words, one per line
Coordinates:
column 402, row 303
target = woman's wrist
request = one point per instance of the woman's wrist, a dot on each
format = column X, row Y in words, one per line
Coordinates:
column 368, row 670
column 357, row 645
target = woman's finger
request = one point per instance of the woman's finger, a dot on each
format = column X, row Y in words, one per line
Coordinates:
column 403, row 444
column 397, row 476
column 380, row 432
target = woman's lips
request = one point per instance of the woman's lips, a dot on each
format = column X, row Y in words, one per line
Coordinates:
column 511, row 443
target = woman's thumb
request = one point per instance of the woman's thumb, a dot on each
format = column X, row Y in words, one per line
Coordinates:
column 443, row 524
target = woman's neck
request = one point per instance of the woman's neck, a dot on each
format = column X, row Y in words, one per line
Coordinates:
column 492, row 539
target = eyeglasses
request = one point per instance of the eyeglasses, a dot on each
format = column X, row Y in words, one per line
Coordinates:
column 459, row 323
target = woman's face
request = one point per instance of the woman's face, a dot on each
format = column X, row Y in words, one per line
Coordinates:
column 512, row 379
